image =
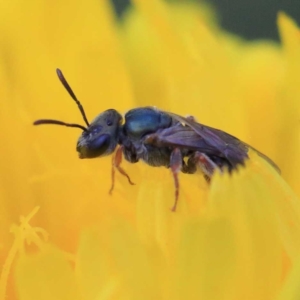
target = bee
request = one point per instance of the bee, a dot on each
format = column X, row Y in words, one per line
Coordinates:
column 158, row 138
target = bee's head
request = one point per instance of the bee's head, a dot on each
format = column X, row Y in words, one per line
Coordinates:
column 99, row 138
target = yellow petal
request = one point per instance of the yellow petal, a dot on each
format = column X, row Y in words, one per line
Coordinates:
column 93, row 267
column 247, row 202
column 206, row 262
column 289, row 105
column 132, row 259
column 291, row 288
column 258, row 79
column 156, row 197
column 47, row 275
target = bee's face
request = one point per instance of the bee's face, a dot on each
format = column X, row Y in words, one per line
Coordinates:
column 101, row 137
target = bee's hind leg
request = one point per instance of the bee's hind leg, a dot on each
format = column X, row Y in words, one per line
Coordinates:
column 116, row 162
column 206, row 164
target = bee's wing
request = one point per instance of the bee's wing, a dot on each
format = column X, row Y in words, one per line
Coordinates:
column 266, row 158
column 229, row 146
column 183, row 137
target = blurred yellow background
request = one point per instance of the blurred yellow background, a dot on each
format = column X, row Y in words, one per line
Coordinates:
column 174, row 56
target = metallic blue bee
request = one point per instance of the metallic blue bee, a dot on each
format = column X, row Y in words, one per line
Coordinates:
column 158, row 138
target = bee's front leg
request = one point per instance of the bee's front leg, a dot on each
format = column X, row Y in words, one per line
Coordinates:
column 116, row 162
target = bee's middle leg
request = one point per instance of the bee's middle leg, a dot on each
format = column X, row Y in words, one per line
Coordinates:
column 116, row 164
column 176, row 166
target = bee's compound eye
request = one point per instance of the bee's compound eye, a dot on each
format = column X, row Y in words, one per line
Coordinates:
column 99, row 144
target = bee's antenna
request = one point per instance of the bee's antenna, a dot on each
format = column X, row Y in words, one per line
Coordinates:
column 50, row 121
column 71, row 93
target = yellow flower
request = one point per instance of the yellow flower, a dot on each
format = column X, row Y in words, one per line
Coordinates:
column 237, row 239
